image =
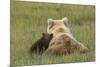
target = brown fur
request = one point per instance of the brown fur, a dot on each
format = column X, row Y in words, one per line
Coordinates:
column 63, row 41
column 42, row 44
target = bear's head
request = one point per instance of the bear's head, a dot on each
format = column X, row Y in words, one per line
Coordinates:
column 52, row 23
column 47, row 36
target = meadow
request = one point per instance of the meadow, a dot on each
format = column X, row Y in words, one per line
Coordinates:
column 29, row 20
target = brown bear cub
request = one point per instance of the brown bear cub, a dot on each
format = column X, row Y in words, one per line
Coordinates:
column 42, row 44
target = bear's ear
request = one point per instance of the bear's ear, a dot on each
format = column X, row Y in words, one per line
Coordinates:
column 43, row 34
column 65, row 20
column 50, row 23
column 49, row 20
column 51, row 35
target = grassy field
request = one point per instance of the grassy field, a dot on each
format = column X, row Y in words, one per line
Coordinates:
column 29, row 20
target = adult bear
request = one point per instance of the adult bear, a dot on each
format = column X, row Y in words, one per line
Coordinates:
column 63, row 41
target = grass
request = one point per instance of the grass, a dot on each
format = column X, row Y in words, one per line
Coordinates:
column 29, row 20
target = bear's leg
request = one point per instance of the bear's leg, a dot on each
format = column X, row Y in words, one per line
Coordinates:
column 83, row 49
column 78, row 46
column 56, row 50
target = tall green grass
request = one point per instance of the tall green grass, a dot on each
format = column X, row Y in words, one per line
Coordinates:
column 29, row 20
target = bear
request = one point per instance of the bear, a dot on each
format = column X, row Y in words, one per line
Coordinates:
column 42, row 44
column 63, row 42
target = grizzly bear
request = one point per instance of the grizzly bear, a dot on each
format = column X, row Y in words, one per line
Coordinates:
column 42, row 44
column 63, row 41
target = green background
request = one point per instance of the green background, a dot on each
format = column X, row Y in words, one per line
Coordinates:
column 29, row 20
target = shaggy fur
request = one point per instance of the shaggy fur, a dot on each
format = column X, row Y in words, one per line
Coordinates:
column 63, row 41
column 42, row 44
